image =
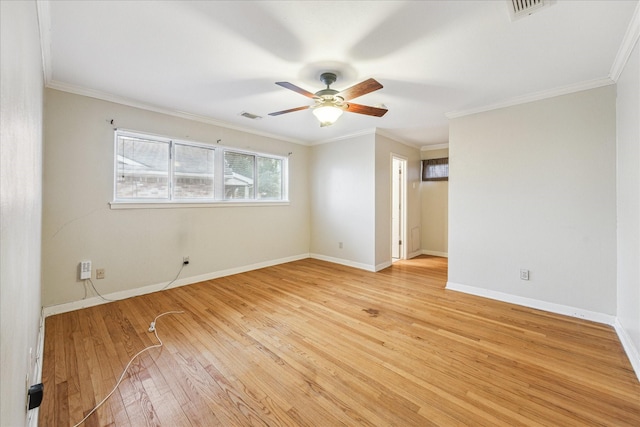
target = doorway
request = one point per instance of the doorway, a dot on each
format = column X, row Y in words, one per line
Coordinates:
column 398, row 208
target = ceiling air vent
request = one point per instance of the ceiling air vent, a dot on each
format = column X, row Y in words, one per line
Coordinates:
column 522, row 8
column 250, row 116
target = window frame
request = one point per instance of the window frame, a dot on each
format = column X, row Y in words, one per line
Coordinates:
column 434, row 162
column 218, row 176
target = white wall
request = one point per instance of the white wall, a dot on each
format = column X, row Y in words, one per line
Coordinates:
column 351, row 199
column 143, row 247
column 342, row 187
column 21, row 86
column 628, row 127
column 385, row 148
column 434, row 200
column 534, row 186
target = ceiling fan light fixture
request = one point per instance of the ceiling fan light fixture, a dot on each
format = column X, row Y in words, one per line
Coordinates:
column 330, row 103
column 327, row 114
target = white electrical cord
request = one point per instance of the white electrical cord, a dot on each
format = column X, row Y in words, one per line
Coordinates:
column 175, row 278
column 113, row 300
column 152, row 328
column 96, row 291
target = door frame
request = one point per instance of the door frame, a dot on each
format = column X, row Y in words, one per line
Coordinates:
column 400, row 192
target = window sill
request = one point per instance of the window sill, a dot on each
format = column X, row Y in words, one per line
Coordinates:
column 175, row 205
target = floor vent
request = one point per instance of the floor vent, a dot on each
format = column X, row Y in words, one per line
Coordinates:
column 522, row 8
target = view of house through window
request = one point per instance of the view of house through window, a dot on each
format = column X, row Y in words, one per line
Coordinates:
column 238, row 175
column 156, row 169
column 142, row 169
column 193, row 172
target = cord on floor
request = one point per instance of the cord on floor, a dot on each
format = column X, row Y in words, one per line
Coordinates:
column 152, row 328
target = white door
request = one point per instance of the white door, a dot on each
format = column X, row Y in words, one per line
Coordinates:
column 398, row 166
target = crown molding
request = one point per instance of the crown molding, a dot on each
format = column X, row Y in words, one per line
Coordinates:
column 104, row 96
column 387, row 134
column 91, row 93
column 629, row 41
column 43, row 12
column 434, row 147
column 626, row 47
column 536, row 96
column 364, row 132
column 371, row 131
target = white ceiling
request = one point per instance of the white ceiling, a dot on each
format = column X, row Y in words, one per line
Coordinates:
column 216, row 59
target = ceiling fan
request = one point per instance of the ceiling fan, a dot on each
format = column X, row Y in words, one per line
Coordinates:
column 330, row 103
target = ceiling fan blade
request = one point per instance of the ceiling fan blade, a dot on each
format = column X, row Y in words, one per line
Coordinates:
column 360, row 89
column 291, row 110
column 295, row 88
column 365, row 109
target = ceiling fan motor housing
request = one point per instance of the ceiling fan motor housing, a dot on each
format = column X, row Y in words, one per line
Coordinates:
column 328, row 78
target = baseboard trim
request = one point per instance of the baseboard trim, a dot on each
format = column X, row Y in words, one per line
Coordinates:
column 534, row 303
column 435, row 253
column 93, row 301
column 341, row 261
column 627, row 343
column 383, row 265
column 414, row 254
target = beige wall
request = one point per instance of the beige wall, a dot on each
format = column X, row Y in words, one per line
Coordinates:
column 434, row 202
column 351, row 199
column 21, row 87
column 534, row 187
column 141, row 247
column 342, row 201
column 385, row 149
column 339, row 192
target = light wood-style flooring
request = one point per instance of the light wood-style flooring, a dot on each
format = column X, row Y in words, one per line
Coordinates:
column 310, row 343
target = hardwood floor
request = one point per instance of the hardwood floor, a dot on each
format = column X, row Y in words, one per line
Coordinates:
column 311, row 343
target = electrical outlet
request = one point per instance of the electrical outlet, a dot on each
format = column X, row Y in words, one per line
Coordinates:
column 99, row 273
column 84, row 270
column 524, row 274
column 339, row 245
column 185, row 260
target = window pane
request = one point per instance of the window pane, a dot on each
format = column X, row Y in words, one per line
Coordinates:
column 435, row 169
column 142, row 169
column 193, row 172
column 156, row 169
column 269, row 178
column 238, row 175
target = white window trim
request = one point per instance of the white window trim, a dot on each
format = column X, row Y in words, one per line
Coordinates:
column 172, row 203
column 176, row 205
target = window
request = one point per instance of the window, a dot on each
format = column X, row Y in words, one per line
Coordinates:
column 435, row 169
column 269, row 178
column 193, row 172
column 150, row 169
column 239, row 171
column 142, row 168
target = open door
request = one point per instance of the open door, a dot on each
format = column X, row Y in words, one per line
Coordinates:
column 398, row 208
